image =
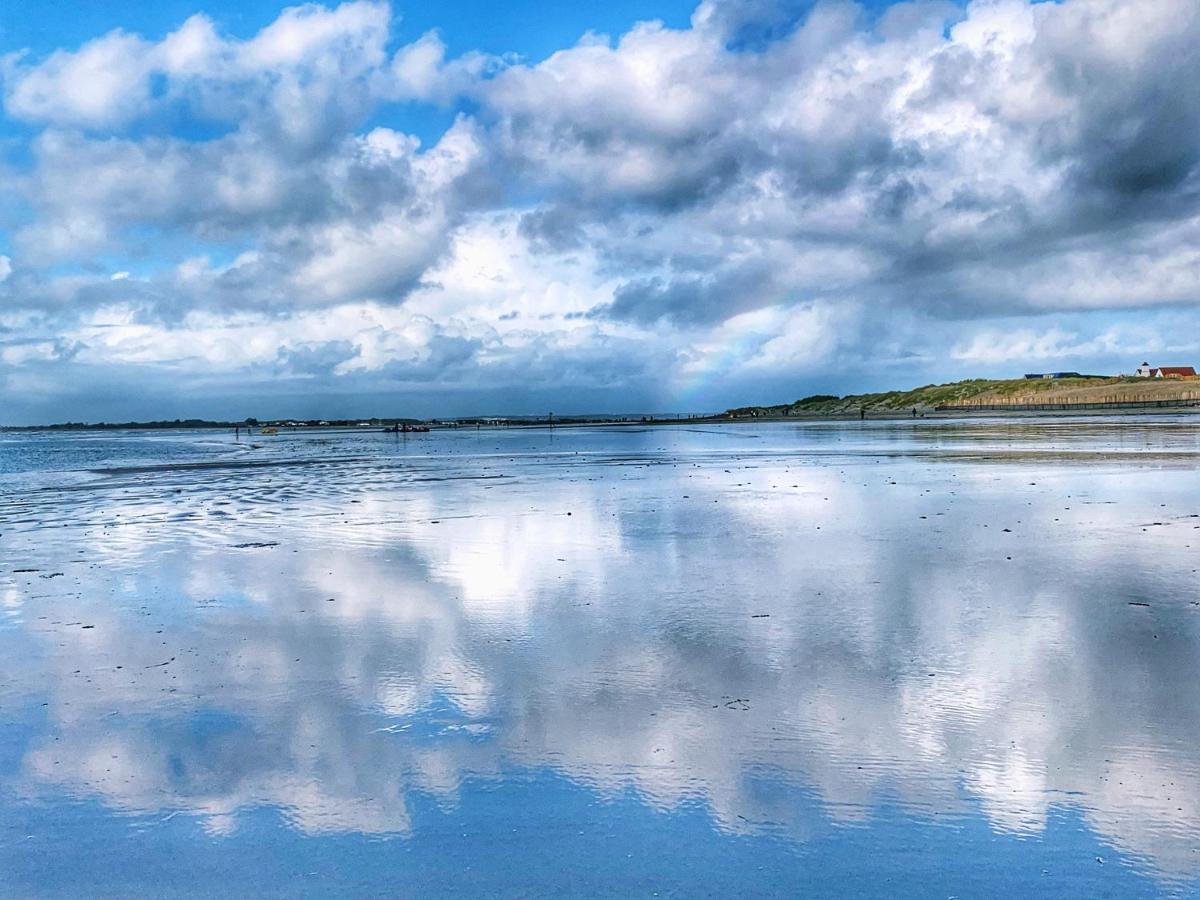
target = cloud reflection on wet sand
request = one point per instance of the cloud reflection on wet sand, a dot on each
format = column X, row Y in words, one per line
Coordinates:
column 687, row 625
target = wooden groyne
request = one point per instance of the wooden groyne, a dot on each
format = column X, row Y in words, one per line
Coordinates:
column 990, row 405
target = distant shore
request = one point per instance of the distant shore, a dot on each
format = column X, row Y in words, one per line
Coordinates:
column 1084, row 395
column 1013, row 412
column 872, row 415
column 1068, row 395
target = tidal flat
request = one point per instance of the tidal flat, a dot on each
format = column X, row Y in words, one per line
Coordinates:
column 821, row 659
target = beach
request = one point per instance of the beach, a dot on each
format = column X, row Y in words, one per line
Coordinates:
column 945, row 657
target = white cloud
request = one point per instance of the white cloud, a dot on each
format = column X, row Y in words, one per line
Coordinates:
column 105, row 82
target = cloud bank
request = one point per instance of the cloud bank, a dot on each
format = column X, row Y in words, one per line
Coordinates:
column 762, row 202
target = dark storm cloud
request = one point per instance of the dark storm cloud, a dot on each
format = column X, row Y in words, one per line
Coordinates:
column 1137, row 129
column 695, row 299
column 316, row 359
column 553, row 229
column 444, row 358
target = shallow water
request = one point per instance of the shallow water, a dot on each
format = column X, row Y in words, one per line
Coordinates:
column 824, row 659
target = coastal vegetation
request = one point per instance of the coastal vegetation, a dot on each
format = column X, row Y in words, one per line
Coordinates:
column 988, row 393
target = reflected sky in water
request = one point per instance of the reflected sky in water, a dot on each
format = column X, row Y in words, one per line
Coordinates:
column 903, row 659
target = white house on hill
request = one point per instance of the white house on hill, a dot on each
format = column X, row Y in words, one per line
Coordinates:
column 1145, row 370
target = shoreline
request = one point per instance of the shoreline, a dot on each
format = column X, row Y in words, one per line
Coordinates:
column 1049, row 411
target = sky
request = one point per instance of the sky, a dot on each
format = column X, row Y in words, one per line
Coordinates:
column 223, row 209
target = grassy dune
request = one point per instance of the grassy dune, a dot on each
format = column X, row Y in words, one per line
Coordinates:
column 987, row 392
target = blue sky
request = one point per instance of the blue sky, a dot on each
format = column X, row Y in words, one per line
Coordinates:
column 357, row 208
column 532, row 29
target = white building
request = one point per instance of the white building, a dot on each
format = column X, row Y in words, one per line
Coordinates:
column 1145, row 370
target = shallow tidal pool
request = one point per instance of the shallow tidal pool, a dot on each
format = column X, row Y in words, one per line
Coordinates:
column 927, row 659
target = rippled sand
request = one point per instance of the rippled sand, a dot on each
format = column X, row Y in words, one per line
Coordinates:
column 902, row 659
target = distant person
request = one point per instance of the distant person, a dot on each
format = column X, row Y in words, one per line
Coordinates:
column 862, row 413
column 914, row 412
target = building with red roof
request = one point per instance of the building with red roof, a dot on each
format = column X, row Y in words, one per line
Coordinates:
column 1175, row 372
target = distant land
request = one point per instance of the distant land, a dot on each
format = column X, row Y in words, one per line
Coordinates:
column 980, row 395
column 1082, row 393
column 357, row 423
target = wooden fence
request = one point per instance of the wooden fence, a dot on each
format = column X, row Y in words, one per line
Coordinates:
column 1191, row 399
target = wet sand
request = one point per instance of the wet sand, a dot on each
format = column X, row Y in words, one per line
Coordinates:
column 927, row 658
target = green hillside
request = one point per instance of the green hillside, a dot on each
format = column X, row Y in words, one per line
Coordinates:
column 931, row 396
